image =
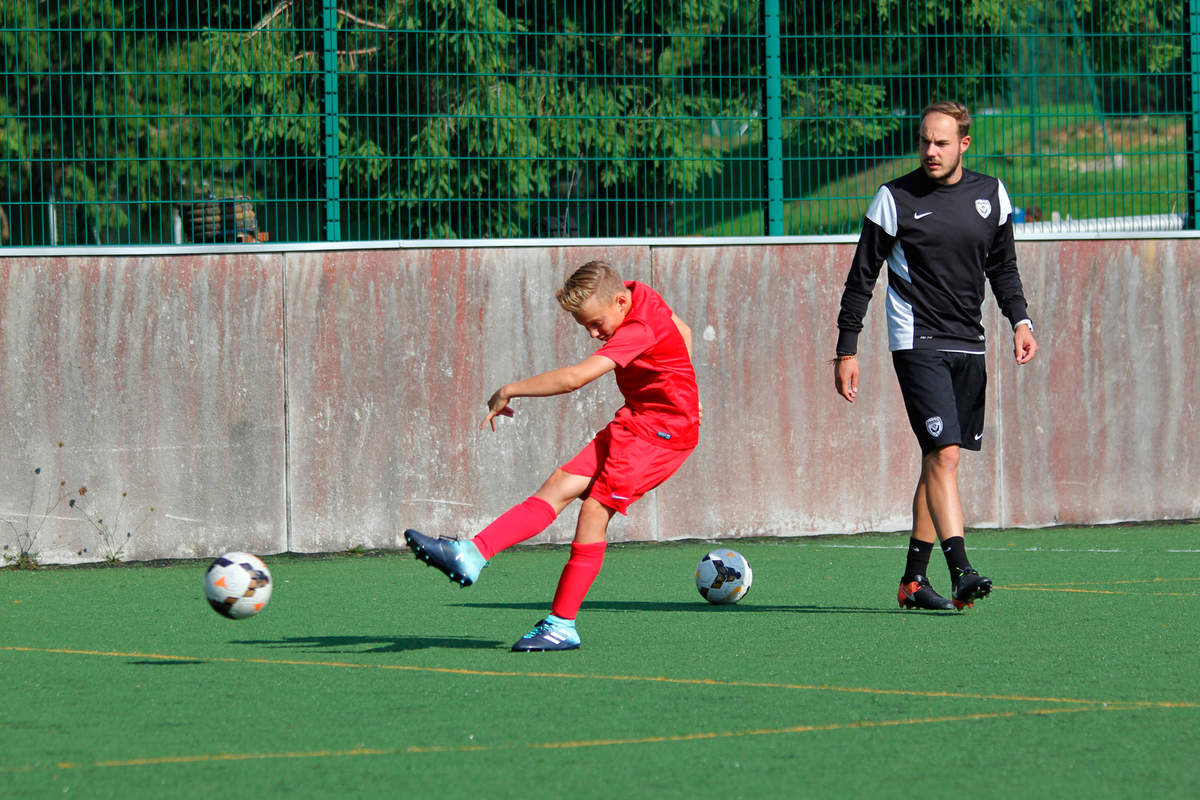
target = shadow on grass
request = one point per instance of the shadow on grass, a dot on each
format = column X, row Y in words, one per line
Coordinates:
column 708, row 608
column 374, row 644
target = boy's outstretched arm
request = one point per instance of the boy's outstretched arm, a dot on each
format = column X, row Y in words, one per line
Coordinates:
column 556, row 381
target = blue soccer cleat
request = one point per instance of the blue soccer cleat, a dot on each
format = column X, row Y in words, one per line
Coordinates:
column 460, row 560
column 551, row 633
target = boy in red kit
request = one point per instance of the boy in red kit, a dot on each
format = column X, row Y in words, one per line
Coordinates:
column 650, row 350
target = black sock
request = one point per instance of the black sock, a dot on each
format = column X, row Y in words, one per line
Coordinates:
column 918, row 560
column 955, row 549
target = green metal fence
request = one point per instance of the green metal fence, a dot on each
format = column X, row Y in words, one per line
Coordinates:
column 126, row 122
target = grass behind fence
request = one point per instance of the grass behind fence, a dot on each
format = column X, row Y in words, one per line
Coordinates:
column 1057, row 161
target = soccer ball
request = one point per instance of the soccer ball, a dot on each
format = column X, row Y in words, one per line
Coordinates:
column 723, row 576
column 237, row 585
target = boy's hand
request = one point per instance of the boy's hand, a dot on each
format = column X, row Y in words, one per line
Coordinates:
column 497, row 407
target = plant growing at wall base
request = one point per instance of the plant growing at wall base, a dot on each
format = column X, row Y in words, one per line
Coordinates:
column 21, row 552
column 113, row 535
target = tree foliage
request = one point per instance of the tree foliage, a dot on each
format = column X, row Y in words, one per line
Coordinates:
column 1139, row 56
column 862, row 65
column 472, row 118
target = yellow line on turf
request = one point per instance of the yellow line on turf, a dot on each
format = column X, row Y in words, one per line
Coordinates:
column 836, row 726
column 1103, row 583
column 663, row 679
column 664, row 739
column 1072, row 587
column 1096, row 591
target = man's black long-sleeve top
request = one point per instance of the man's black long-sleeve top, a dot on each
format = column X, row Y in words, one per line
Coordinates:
column 940, row 242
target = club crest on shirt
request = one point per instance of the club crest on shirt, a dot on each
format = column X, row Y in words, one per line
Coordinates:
column 983, row 207
column 934, row 426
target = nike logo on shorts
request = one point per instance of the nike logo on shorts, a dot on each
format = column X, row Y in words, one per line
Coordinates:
column 978, row 436
column 922, row 215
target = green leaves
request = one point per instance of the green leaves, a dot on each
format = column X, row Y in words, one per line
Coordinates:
column 473, row 117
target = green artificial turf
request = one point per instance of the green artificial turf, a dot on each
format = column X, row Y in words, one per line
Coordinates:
column 375, row 677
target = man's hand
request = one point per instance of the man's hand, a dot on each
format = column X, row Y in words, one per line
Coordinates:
column 1024, row 345
column 845, row 377
column 497, row 407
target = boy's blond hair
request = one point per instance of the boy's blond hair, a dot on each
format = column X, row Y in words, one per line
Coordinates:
column 594, row 279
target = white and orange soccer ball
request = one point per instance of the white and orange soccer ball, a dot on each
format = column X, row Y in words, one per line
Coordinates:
column 237, row 585
column 723, row 576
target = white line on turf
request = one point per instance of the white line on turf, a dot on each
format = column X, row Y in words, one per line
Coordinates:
column 974, row 548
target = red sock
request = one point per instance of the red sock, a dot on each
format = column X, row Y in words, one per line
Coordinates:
column 582, row 568
column 522, row 521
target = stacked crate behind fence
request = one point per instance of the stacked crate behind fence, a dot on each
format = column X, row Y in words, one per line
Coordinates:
column 226, row 219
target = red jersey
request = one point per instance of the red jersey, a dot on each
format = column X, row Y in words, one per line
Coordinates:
column 654, row 373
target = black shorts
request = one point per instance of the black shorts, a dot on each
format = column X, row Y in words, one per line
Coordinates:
column 944, row 396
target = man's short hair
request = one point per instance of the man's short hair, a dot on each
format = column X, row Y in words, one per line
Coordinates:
column 956, row 110
column 594, row 279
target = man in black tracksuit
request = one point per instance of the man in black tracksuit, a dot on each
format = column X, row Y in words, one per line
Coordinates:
column 942, row 230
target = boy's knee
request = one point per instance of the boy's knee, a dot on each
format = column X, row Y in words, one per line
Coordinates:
column 558, row 479
column 594, row 517
column 561, row 488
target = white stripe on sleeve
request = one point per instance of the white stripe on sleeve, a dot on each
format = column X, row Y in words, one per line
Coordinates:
column 882, row 211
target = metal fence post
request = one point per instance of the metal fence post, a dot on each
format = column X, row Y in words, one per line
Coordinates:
column 333, row 221
column 774, row 118
column 1193, row 117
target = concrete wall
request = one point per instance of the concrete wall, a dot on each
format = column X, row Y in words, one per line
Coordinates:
column 148, row 382
column 323, row 400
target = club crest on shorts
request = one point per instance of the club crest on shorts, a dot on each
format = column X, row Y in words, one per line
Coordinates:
column 934, row 426
column 983, row 207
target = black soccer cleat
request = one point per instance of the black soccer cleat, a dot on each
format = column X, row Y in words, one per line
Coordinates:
column 461, row 561
column 969, row 587
column 917, row 593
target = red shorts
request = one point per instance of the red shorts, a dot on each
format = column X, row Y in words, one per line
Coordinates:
column 623, row 466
